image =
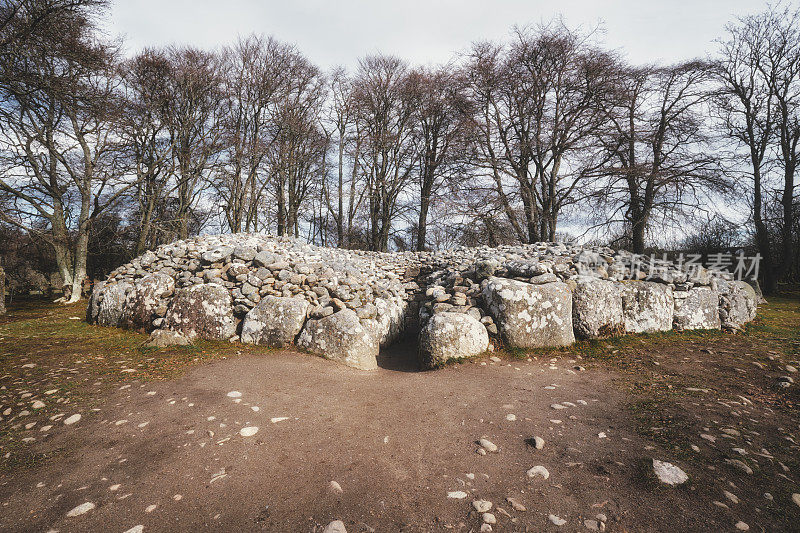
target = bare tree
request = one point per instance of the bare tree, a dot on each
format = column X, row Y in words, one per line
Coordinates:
column 194, row 116
column 144, row 130
column 256, row 74
column 660, row 161
column 441, row 111
column 345, row 195
column 23, row 23
column 757, row 102
column 297, row 153
column 538, row 106
column 386, row 125
column 60, row 108
column 781, row 67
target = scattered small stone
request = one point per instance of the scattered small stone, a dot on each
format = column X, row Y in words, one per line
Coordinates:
column 248, row 431
column 538, row 471
column 795, row 498
column 556, row 520
column 337, row 526
column 511, row 417
column 741, row 526
column 517, row 506
column 741, row 465
column 669, row 473
column 335, row 488
column 234, row 394
column 457, row 495
column 482, row 506
column 72, row 419
column 487, row 445
column 489, row 518
column 81, row 509
column 277, row 419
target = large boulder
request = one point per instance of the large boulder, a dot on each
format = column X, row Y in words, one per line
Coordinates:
column 697, row 308
column 596, row 307
column 93, row 307
column 341, row 337
column 146, row 301
column 275, row 321
column 204, row 311
column 161, row 338
column 738, row 305
column 647, row 306
column 451, row 336
column 389, row 320
column 530, row 316
column 111, row 304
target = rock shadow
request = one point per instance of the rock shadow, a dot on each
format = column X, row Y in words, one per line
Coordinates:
column 400, row 356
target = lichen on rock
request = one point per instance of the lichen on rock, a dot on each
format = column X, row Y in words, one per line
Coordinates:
column 347, row 304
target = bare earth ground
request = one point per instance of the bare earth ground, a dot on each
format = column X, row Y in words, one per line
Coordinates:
column 158, row 444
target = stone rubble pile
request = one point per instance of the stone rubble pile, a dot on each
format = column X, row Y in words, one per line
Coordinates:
column 346, row 304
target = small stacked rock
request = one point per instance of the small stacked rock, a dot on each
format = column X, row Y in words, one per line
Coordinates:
column 347, row 304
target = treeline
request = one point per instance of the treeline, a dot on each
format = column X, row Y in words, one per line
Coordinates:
column 106, row 156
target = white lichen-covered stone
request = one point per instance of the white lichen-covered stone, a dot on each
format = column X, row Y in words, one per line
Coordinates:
column 111, row 303
column 143, row 301
column 93, row 307
column 647, row 307
column 389, row 317
column 697, row 308
column 596, row 307
column 522, row 292
column 203, row 311
column 738, row 305
column 161, row 338
column 451, row 336
column 530, row 316
column 275, row 321
column 341, row 337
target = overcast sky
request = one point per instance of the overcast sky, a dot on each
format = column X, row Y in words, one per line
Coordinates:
column 338, row 32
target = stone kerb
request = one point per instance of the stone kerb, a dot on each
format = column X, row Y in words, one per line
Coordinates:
column 346, row 304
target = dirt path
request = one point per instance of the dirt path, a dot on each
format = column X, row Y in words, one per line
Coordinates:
column 169, row 455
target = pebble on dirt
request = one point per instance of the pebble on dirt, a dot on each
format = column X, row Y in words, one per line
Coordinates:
column 669, row 473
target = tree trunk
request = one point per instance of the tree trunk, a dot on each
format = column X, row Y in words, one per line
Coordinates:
column 79, row 273
column 638, row 228
column 762, row 235
column 787, row 198
column 281, row 211
column 424, row 206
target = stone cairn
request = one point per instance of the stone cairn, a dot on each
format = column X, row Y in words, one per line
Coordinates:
column 347, row 304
